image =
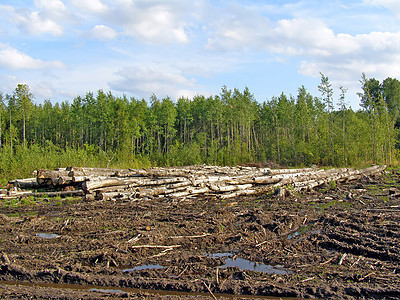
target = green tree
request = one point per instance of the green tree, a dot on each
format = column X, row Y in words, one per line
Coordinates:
column 326, row 90
column 23, row 98
column 342, row 107
column 369, row 101
column 391, row 94
column 2, row 107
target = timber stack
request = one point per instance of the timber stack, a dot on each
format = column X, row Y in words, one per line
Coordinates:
column 178, row 182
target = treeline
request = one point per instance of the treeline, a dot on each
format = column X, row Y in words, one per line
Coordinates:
column 226, row 129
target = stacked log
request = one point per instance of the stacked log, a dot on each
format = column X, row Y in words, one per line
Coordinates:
column 179, row 182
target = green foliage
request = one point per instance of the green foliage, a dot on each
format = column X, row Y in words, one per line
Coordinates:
column 332, row 184
column 227, row 129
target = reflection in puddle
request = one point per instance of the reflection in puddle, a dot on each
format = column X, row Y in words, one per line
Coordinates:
column 47, row 235
column 143, row 267
column 292, row 235
column 108, row 291
column 219, row 255
column 244, row 264
column 301, row 230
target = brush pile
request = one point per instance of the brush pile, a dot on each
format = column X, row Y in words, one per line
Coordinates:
column 178, row 182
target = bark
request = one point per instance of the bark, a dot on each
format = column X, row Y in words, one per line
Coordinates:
column 27, row 183
column 181, row 182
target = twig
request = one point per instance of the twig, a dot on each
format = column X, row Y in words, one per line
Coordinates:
column 156, row 246
column 262, row 243
column 356, row 262
column 164, row 252
column 190, row 236
column 136, row 238
column 308, row 279
column 328, row 261
column 208, row 288
column 65, row 225
column 110, row 160
column 179, row 275
column 342, row 259
column 217, row 275
column 366, row 276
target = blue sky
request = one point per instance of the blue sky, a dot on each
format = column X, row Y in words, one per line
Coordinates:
column 65, row 48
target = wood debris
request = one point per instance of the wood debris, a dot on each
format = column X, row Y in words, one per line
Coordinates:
column 178, row 182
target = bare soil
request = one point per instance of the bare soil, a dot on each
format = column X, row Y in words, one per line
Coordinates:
column 339, row 242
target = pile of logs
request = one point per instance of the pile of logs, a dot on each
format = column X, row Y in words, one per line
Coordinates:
column 179, row 182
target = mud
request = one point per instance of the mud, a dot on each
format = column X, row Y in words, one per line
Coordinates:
column 339, row 241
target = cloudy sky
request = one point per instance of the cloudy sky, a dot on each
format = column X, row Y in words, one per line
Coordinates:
column 65, row 48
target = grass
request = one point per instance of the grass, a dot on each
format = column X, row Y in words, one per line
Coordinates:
column 333, row 203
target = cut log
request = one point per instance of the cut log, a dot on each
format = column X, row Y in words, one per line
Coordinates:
column 27, row 183
column 290, row 171
column 238, row 193
column 17, row 194
column 46, row 174
column 230, row 188
column 180, row 182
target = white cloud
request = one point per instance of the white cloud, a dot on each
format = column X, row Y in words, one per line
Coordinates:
column 237, row 28
column 310, row 39
column 14, row 59
column 93, row 6
column 34, row 24
column 6, row 9
column 103, row 32
column 145, row 80
column 377, row 53
column 52, row 9
column 155, row 22
column 293, row 37
column 43, row 90
column 393, row 5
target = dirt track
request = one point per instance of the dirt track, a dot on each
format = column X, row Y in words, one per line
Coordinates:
column 335, row 242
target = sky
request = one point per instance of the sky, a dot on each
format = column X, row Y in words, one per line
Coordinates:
column 65, row 48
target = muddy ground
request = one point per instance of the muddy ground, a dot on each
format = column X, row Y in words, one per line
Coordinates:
column 339, row 241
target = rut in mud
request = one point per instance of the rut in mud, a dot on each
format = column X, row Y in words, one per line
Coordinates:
column 337, row 241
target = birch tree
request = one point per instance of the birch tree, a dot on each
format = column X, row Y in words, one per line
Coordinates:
column 23, row 98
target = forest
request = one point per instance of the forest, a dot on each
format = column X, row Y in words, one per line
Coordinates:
column 100, row 129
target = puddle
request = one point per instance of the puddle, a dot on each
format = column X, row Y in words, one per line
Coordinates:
column 219, row 255
column 144, row 267
column 302, row 230
column 244, row 264
column 292, row 235
column 47, row 235
column 126, row 290
column 108, row 291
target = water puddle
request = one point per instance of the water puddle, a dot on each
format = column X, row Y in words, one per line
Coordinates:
column 108, row 291
column 244, row 264
column 302, row 230
column 126, row 290
column 144, row 267
column 222, row 254
column 47, row 235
